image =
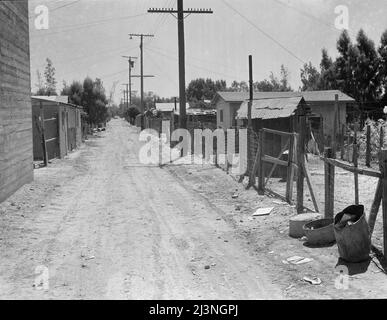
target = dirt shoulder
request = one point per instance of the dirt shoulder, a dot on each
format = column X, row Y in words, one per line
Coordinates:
column 267, row 239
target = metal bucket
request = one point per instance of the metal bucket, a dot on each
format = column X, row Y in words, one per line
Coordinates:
column 353, row 239
column 320, row 232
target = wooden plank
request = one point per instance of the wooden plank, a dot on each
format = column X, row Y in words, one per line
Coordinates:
column 347, row 167
column 44, row 146
column 342, row 141
column 261, row 171
column 270, row 159
column 368, row 146
column 281, row 133
column 329, row 185
column 309, row 183
column 383, row 169
column 355, row 163
column 275, row 164
column 300, row 161
column 290, row 171
column 375, row 206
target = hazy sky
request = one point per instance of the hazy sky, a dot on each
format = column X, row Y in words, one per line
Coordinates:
column 88, row 37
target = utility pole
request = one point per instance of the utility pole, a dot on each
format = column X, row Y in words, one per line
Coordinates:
column 181, row 15
column 127, row 95
column 141, row 35
column 131, row 65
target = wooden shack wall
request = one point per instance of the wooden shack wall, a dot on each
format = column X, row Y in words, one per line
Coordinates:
column 16, row 166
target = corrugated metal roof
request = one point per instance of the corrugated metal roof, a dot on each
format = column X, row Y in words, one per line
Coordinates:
column 57, row 99
column 169, row 107
column 309, row 96
column 61, row 99
column 270, row 108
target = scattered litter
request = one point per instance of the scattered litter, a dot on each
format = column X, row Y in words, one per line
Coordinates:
column 91, row 257
column 263, row 211
column 237, row 208
column 271, row 252
column 312, row 280
column 206, row 267
column 234, row 196
column 42, row 205
column 297, row 260
column 13, row 204
column 225, row 240
column 218, row 219
column 279, row 202
column 213, row 264
column 303, row 238
column 83, row 265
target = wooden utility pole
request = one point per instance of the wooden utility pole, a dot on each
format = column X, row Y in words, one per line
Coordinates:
column 249, row 125
column 141, row 35
column 126, row 92
column 181, row 15
column 131, row 65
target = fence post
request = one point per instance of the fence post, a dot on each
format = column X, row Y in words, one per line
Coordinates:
column 383, row 169
column 225, row 150
column 301, row 164
column 329, row 175
column 342, row 141
column 368, row 146
column 261, row 171
column 290, row 171
column 355, row 164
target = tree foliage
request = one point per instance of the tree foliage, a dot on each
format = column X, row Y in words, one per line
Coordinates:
column 46, row 87
column 91, row 95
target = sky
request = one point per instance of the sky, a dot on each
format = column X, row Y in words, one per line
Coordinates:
column 89, row 38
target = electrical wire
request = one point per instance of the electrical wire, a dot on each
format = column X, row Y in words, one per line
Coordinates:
column 264, row 32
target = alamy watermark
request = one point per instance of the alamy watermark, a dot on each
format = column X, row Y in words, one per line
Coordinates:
column 191, row 149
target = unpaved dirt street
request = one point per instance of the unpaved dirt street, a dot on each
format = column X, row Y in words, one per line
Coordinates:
column 108, row 227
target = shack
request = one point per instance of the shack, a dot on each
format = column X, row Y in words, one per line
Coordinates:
column 281, row 114
column 59, row 122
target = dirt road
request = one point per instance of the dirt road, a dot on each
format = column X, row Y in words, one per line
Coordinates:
column 107, row 227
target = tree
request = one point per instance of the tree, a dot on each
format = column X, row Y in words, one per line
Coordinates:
column 365, row 69
column 74, row 92
column 94, row 100
column 382, row 70
column 310, row 77
column 49, row 74
column 204, row 89
column 327, row 79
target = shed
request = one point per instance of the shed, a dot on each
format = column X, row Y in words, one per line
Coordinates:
column 62, row 126
column 281, row 114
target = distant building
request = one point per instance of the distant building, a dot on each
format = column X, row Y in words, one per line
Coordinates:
column 16, row 166
column 62, row 126
column 321, row 104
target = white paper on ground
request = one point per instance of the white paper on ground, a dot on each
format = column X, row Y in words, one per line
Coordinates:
column 262, row 211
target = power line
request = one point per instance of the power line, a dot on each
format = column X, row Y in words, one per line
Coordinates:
column 264, row 32
column 85, row 25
